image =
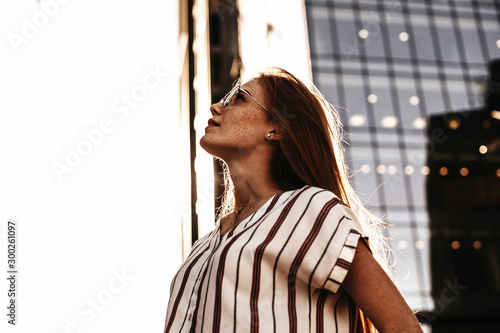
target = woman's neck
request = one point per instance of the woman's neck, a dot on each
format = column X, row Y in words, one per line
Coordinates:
column 252, row 183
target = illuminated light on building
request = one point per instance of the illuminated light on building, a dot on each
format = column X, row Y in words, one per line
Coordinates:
column 357, row 120
column 419, row 123
column 477, row 245
column 372, row 98
column 408, row 170
column 495, row 114
column 425, row 170
column 389, row 121
column 443, row 171
column 365, row 168
column 464, row 172
column 419, row 245
column 483, row 149
column 404, row 36
column 381, row 169
column 363, row 33
column 414, row 100
column 392, row 169
column 455, row 245
column 453, row 124
column 402, row 244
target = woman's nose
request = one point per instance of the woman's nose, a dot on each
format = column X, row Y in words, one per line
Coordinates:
column 216, row 108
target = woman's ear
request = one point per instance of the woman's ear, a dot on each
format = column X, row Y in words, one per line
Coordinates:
column 275, row 134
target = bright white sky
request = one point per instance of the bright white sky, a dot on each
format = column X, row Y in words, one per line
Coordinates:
column 114, row 210
column 92, row 165
column 286, row 46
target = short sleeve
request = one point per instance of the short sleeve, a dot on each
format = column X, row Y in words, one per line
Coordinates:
column 341, row 267
column 337, row 233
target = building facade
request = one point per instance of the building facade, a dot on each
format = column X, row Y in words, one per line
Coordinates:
column 391, row 66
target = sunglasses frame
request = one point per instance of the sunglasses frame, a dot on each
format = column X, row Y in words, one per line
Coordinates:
column 228, row 98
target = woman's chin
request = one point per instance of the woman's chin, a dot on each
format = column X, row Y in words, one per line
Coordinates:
column 204, row 143
column 208, row 146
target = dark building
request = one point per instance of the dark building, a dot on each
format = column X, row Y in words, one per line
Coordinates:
column 463, row 199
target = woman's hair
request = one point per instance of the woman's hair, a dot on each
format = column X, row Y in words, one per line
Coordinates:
column 310, row 153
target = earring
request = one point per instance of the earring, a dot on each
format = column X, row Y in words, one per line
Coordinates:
column 268, row 135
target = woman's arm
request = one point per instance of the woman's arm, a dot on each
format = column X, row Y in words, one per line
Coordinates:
column 377, row 296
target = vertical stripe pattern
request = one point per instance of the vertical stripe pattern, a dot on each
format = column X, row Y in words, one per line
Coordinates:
column 280, row 270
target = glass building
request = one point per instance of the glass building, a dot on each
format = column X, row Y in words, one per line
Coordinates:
column 391, row 66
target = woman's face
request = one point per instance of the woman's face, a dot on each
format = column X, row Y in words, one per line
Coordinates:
column 239, row 128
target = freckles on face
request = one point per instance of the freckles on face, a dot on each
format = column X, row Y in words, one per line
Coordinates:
column 239, row 127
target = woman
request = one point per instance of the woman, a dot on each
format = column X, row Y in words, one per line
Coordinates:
column 290, row 251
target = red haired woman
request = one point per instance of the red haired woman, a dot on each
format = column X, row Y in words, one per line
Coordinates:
column 290, row 250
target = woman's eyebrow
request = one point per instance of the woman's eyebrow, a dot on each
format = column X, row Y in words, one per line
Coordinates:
column 245, row 90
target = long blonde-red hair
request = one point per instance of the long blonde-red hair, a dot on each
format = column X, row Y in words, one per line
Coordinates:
column 311, row 153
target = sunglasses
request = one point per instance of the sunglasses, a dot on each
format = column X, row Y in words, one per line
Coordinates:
column 235, row 92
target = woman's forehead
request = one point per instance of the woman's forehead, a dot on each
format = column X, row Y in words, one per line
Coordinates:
column 253, row 87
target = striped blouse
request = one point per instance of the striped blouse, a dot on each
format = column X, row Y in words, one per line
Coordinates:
column 279, row 270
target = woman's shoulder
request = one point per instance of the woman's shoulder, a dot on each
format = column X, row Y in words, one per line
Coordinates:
column 322, row 201
column 316, row 195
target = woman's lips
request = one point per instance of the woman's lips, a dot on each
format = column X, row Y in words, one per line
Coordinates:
column 212, row 122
